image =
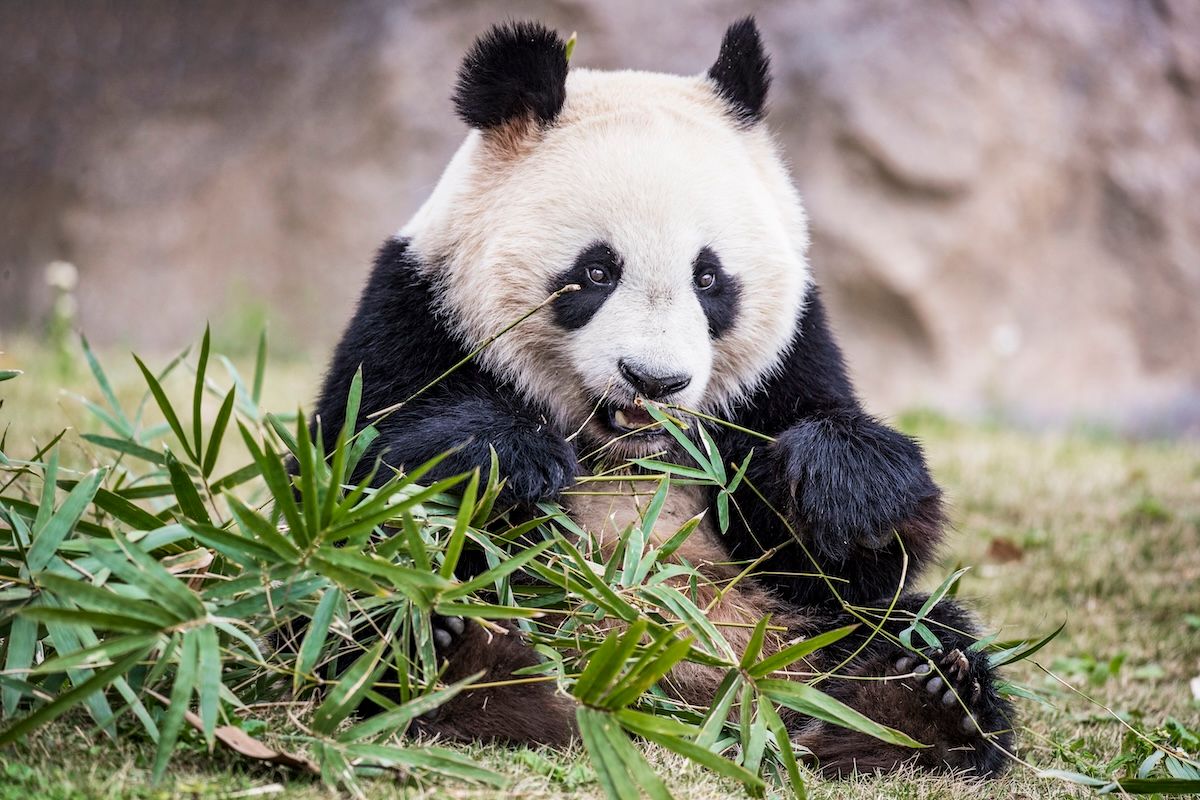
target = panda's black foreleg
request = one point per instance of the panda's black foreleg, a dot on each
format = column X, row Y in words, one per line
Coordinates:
column 857, row 496
column 535, row 460
column 944, row 697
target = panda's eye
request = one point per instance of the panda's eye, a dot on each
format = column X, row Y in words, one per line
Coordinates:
column 705, row 280
column 599, row 276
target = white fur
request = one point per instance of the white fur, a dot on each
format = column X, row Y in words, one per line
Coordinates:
column 654, row 166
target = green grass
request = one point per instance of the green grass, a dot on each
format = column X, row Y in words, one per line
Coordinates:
column 1096, row 531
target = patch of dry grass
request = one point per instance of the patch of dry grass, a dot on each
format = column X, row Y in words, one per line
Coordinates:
column 1097, row 531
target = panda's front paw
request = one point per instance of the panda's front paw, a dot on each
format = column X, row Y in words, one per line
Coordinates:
column 850, row 484
column 536, row 469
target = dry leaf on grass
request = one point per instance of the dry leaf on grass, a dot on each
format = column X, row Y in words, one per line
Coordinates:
column 1003, row 551
column 246, row 745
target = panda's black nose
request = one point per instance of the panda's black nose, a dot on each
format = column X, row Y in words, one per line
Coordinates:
column 649, row 385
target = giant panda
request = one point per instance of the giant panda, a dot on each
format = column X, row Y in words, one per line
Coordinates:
column 658, row 213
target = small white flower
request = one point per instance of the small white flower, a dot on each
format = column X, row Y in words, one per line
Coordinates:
column 1006, row 340
column 62, row 275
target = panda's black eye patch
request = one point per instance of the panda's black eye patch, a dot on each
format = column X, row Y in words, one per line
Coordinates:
column 596, row 271
column 719, row 292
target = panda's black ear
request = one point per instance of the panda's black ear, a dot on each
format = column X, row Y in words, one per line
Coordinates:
column 514, row 70
column 742, row 71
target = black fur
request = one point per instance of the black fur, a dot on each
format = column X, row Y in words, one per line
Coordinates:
column 742, row 72
column 514, row 70
column 573, row 310
column 905, row 703
column 844, row 482
column 721, row 300
column 402, row 345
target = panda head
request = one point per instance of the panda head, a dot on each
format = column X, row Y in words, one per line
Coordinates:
column 662, row 198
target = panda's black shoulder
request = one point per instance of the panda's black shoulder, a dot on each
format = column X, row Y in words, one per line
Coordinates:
column 812, row 376
column 396, row 335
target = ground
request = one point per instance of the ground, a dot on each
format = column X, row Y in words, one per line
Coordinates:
column 1080, row 527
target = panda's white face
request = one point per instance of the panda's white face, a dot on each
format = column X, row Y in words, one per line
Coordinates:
column 679, row 226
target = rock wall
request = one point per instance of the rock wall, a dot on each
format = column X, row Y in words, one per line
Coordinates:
column 1003, row 195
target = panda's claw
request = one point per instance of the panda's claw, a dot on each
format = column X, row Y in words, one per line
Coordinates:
column 945, row 675
column 955, row 663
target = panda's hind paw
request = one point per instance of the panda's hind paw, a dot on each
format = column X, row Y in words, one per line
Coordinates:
column 947, row 675
column 447, row 632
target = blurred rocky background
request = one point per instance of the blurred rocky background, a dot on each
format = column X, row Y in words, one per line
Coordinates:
column 1005, row 196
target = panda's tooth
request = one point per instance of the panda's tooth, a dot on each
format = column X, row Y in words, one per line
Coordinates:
column 621, row 419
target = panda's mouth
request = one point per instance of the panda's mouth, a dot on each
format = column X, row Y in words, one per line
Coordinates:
column 632, row 420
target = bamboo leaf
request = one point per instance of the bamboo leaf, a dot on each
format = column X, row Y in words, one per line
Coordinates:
column 68, row 699
column 1023, row 650
column 261, row 529
column 501, row 570
column 198, row 392
column 815, row 703
column 437, row 759
column 315, row 635
column 706, row 758
column 609, row 768
column 718, row 712
column 218, row 434
column 755, row 643
column 1169, row 786
column 607, row 660
column 22, row 638
column 397, row 719
column 260, row 368
column 633, row 760
column 138, row 569
column 128, row 447
column 49, row 485
column 164, row 405
column 239, row 549
column 186, row 494
column 98, row 655
column 181, row 693
column 458, row 535
column 678, row 435
column 102, row 381
column 783, row 743
column 348, row 692
column 93, row 619
column 47, row 539
column 273, row 473
column 793, row 653
column 485, row 611
column 104, row 599
column 121, row 508
column 208, row 690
